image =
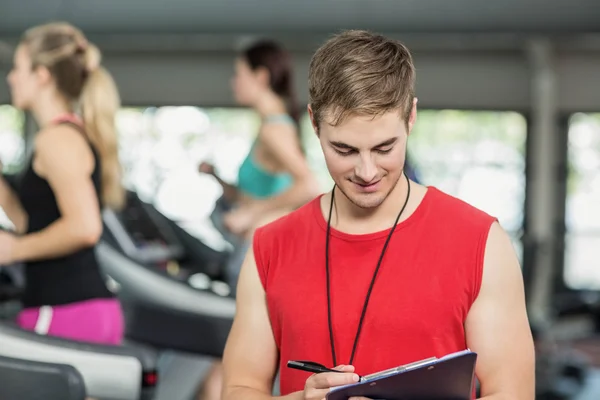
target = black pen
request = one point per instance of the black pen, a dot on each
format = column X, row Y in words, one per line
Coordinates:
column 310, row 366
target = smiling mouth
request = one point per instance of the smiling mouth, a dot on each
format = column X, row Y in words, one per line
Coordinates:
column 367, row 187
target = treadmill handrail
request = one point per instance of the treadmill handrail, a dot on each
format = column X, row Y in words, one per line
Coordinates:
column 145, row 355
column 72, row 382
column 150, row 287
column 113, row 372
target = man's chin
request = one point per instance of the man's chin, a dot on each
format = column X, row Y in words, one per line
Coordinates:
column 365, row 200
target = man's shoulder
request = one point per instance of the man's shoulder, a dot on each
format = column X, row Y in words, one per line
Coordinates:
column 296, row 221
column 283, row 237
column 451, row 208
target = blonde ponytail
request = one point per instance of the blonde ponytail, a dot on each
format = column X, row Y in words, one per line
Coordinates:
column 99, row 104
column 76, row 67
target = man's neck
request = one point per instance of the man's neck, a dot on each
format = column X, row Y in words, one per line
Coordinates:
column 350, row 218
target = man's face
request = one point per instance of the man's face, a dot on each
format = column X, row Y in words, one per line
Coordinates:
column 365, row 155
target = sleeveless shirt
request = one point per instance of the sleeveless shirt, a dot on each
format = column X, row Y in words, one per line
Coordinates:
column 72, row 278
column 429, row 278
column 253, row 179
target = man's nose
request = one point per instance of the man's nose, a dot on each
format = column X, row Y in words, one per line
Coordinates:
column 366, row 170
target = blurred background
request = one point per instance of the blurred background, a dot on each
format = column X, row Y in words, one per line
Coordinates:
column 509, row 120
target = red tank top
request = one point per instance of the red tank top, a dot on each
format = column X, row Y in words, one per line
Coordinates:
column 429, row 277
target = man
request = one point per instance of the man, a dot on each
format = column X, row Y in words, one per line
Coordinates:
column 334, row 283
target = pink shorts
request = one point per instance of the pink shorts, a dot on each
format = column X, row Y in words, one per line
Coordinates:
column 94, row 321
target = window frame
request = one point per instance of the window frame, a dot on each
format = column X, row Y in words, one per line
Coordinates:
column 563, row 292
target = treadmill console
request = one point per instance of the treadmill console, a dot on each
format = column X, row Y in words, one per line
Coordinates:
column 142, row 233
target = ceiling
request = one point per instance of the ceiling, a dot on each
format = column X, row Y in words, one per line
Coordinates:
column 304, row 16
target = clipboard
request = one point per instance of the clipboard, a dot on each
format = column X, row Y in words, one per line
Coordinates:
column 447, row 378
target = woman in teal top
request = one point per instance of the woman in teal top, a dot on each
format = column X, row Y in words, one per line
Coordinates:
column 256, row 181
column 275, row 177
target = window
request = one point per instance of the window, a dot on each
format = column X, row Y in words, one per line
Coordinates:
column 162, row 147
column 12, row 146
column 582, row 239
column 314, row 153
column 477, row 156
column 12, row 139
column 474, row 155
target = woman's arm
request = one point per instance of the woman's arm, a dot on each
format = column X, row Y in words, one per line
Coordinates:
column 10, row 204
column 65, row 160
column 282, row 144
column 230, row 192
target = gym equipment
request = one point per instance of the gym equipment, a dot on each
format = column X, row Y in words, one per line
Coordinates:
column 166, row 310
column 166, row 313
column 146, row 236
column 34, row 380
column 11, row 283
column 561, row 372
column 109, row 372
column 169, row 301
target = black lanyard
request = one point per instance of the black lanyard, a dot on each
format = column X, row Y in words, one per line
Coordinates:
column 364, row 310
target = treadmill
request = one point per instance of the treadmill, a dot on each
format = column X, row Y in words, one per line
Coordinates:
column 146, row 236
column 52, row 381
column 125, row 372
column 166, row 280
column 67, row 369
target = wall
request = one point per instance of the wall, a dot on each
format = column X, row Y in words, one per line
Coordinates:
column 470, row 80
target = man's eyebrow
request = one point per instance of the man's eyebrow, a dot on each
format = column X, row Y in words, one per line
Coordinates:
column 387, row 142
column 342, row 145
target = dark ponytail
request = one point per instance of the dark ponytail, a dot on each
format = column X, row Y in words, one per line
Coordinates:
column 292, row 100
column 278, row 61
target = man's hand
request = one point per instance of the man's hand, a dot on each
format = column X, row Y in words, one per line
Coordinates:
column 318, row 385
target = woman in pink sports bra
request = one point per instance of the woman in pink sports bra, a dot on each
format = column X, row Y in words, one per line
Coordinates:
column 74, row 172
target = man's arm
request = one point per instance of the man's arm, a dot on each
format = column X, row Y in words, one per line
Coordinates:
column 250, row 358
column 497, row 326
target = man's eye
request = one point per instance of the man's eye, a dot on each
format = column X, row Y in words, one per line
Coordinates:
column 383, row 151
column 344, row 152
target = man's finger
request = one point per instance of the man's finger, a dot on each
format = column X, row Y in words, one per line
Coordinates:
column 326, row 380
column 345, row 368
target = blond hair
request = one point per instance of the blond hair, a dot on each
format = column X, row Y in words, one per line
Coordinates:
column 75, row 65
column 360, row 73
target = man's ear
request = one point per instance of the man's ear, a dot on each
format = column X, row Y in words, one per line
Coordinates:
column 412, row 119
column 312, row 120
